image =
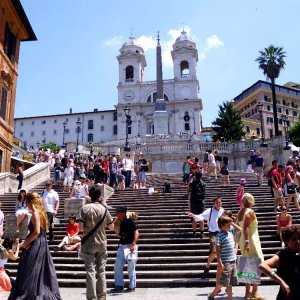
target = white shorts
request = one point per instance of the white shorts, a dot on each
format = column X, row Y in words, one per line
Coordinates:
column 68, row 181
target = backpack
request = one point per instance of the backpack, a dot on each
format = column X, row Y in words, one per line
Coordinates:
column 167, row 187
column 199, row 190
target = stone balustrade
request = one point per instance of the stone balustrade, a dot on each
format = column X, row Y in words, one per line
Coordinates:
column 10, row 226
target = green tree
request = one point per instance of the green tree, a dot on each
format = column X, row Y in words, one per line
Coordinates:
column 294, row 133
column 50, row 145
column 228, row 124
column 271, row 61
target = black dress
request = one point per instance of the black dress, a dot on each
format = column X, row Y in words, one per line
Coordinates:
column 36, row 277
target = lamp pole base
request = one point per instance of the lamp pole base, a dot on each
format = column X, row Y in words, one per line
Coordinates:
column 127, row 149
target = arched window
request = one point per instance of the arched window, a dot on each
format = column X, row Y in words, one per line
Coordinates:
column 184, row 69
column 129, row 73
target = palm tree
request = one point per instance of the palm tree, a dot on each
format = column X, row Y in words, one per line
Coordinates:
column 271, row 61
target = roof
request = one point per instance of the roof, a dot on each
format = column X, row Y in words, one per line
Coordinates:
column 68, row 114
column 22, row 15
column 265, row 85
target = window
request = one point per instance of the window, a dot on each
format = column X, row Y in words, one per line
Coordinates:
column 129, row 74
column 90, row 124
column 283, row 102
column 67, row 131
column 288, row 123
column 32, row 133
column 32, row 123
column 279, row 109
column 187, row 126
column 184, row 69
column 90, row 137
column 102, row 128
column 54, row 131
column 115, row 116
column 55, row 121
column 3, row 103
column 102, row 117
column 115, row 130
column 43, row 132
column 153, row 96
column 268, row 107
column 257, row 131
column 10, row 43
column 43, row 122
column 269, row 120
column 295, row 114
column 280, row 121
column 248, row 129
column 22, row 123
column 287, row 112
column 21, row 134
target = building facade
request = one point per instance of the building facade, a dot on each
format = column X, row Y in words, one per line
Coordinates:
column 288, row 104
column 183, row 105
column 14, row 29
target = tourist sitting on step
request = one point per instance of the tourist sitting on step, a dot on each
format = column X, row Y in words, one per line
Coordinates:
column 211, row 215
column 71, row 237
column 287, row 263
column 7, row 252
column 21, row 208
column 283, row 219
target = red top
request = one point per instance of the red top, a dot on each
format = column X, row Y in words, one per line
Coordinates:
column 72, row 228
column 277, row 178
column 194, row 167
column 105, row 166
column 284, row 223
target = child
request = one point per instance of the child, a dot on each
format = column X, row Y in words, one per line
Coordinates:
column 72, row 235
column 240, row 192
column 226, row 258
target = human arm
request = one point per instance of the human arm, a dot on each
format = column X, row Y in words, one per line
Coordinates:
column 247, row 220
column 56, row 204
column 236, row 227
column 290, row 219
column 266, row 268
column 278, row 224
column 11, row 254
column 135, row 239
column 35, row 220
column 220, row 263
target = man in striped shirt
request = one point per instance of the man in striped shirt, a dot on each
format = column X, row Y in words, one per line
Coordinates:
column 226, row 258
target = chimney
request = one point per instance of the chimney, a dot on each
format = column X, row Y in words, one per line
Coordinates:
column 95, row 109
column 70, row 110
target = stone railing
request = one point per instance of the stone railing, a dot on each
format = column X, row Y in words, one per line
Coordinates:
column 32, row 177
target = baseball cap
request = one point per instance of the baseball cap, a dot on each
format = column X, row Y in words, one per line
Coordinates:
column 121, row 209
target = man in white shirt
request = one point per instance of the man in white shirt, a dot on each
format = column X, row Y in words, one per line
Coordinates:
column 128, row 167
column 211, row 216
column 51, row 202
column 211, row 164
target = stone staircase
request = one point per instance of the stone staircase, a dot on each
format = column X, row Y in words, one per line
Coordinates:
column 169, row 254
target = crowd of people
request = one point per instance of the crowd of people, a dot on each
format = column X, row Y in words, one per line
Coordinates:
column 83, row 176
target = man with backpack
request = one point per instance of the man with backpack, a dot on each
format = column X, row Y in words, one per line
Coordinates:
column 196, row 199
column 211, row 215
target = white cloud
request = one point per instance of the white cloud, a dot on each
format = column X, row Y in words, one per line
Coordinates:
column 212, row 42
column 146, row 42
column 116, row 40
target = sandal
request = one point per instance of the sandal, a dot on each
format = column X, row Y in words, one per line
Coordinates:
column 257, row 297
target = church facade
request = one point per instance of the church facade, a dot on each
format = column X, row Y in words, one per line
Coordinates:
column 181, row 108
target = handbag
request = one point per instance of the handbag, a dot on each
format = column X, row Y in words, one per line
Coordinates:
column 247, row 269
column 85, row 238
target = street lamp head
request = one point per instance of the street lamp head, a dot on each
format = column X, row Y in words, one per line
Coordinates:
column 65, row 124
column 78, row 123
column 126, row 110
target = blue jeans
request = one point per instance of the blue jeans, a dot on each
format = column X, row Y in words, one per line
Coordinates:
column 119, row 264
column 127, row 179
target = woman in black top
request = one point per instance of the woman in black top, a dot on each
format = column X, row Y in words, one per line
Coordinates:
column 287, row 263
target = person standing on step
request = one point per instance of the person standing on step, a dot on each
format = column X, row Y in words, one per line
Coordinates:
column 197, row 199
column 211, row 164
column 51, row 202
column 186, row 169
column 259, row 166
column 276, row 182
column 211, row 215
column 68, row 176
column 20, row 176
column 127, row 251
column 127, row 167
column 95, row 219
column 141, row 169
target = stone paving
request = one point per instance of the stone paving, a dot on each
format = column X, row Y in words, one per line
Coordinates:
column 269, row 292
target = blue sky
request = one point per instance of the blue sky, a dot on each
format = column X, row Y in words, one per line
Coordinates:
column 73, row 63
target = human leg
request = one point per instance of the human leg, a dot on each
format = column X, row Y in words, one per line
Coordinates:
column 101, row 259
column 89, row 262
column 50, row 223
column 118, row 268
column 132, row 273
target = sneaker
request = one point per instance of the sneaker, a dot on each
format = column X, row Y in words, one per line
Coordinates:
column 117, row 289
column 130, row 290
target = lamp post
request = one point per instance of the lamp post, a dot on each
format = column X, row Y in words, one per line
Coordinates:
column 44, row 141
column 128, row 123
column 284, row 120
column 260, row 107
column 64, row 132
column 138, row 140
column 78, row 124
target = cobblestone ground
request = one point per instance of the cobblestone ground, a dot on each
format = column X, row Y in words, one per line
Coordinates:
column 269, row 292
